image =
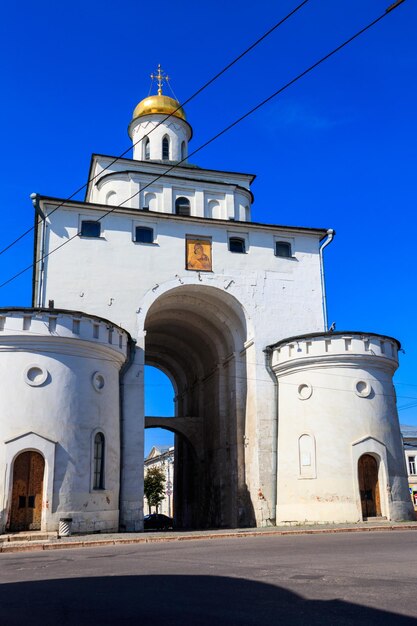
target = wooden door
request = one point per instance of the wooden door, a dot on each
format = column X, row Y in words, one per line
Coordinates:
column 368, row 486
column 26, row 511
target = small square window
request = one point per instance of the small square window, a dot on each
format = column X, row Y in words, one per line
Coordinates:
column 283, row 249
column 144, row 234
column 90, row 228
column 236, row 244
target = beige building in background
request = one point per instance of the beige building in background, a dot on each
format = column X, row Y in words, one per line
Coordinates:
column 163, row 458
column 409, row 434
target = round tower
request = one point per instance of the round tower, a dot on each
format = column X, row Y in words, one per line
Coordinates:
column 340, row 452
column 159, row 130
column 60, row 424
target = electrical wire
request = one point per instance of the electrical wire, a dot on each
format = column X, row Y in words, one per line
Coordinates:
column 56, row 335
column 194, row 95
column 219, row 134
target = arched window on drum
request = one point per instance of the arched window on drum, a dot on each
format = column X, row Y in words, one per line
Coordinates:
column 165, row 148
column 98, row 461
column 146, row 149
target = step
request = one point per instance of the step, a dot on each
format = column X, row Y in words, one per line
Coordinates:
column 28, row 536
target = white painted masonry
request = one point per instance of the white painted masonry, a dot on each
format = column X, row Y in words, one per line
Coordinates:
column 60, row 385
column 267, row 428
column 337, row 389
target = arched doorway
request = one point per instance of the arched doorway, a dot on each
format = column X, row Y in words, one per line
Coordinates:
column 196, row 334
column 369, row 486
column 26, row 509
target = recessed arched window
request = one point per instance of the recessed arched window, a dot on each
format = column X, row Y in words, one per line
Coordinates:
column 307, row 456
column 146, row 149
column 165, row 148
column 236, row 244
column 143, row 234
column 150, row 202
column 183, row 153
column 111, row 197
column 98, row 478
column 90, row 228
column 214, row 209
column 182, row 206
column 283, row 248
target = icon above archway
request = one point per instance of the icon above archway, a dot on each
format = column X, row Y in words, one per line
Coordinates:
column 198, row 255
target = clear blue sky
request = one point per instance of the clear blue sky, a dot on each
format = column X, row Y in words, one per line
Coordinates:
column 338, row 149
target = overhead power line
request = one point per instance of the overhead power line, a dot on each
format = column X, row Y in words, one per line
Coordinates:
column 219, row 134
column 194, row 95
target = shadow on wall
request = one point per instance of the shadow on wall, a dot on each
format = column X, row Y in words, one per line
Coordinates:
column 175, row 600
column 62, row 460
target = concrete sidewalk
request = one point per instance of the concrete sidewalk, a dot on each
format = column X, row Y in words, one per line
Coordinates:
column 26, row 542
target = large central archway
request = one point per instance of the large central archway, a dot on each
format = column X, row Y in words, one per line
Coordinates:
column 196, row 335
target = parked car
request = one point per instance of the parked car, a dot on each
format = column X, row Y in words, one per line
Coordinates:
column 157, row 521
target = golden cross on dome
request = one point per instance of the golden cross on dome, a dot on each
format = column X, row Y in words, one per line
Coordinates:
column 160, row 77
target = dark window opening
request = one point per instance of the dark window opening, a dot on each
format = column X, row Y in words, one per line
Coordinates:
column 236, row 244
column 183, row 155
column 31, row 502
column 22, row 502
column 182, row 206
column 90, row 228
column 147, row 149
column 98, row 461
column 282, row 248
column 165, row 148
column 143, row 234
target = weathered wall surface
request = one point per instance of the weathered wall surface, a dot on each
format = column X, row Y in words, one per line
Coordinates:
column 60, row 386
column 337, row 403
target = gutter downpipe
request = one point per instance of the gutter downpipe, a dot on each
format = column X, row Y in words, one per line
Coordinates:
column 330, row 235
column 38, row 212
column 268, row 351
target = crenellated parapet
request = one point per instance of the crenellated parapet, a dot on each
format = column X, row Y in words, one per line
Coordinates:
column 30, row 328
column 334, row 348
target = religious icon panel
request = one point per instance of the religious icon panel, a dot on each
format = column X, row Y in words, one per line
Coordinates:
column 198, row 255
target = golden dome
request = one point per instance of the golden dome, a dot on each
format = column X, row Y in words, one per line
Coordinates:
column 159, row 104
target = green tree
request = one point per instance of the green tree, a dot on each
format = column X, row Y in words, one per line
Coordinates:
column 154, row 487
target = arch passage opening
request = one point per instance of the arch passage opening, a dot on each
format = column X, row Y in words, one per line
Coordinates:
column 196, row 335
column 369, row 486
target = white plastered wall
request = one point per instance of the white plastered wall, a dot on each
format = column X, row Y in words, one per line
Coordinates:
column 339, row 389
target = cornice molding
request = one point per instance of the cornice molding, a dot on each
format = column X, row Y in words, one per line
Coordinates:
column 355, row 361
column 61, row 346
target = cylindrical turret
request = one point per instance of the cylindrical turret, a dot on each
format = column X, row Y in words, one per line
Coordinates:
column 60, row 419
column 340, row 453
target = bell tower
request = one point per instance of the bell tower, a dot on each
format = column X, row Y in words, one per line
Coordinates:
column 159, row 130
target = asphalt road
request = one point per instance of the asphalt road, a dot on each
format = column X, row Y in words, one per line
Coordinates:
column 364, row 578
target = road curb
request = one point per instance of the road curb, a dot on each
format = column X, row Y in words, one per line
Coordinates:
column 96, row 543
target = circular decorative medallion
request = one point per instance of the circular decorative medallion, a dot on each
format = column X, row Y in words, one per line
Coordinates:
column 35, row 375
column 304, row 391
column 362, row 388
column 98, row 381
